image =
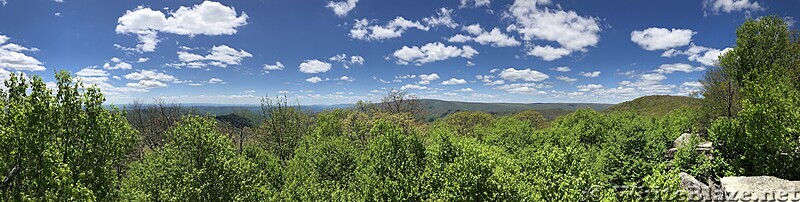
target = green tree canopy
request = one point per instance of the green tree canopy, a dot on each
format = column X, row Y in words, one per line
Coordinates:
column 764, row 139
column 60, row 146
column 199, row 164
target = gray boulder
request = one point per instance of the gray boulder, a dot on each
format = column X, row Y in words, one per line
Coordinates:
column 705, row 146
column 682, row 140
column 696, row 190
column 760, row 188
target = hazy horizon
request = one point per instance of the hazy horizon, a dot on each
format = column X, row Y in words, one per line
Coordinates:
column 151, row 101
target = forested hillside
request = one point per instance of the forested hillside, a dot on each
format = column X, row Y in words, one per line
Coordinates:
column 60, row 143
column 434, row 109
column 440, row 108
column 656, row 105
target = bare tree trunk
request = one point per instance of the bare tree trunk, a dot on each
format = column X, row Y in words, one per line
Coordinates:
column 241, row 139
column 730, row 98
column 9, row 178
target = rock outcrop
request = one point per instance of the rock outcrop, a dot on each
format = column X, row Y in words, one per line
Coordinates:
column 760, row 188
column 703, row 147
column 682, row 140
column 697, row 191
column 737, row 188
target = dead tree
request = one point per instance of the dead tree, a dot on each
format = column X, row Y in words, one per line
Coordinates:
column 398, row 101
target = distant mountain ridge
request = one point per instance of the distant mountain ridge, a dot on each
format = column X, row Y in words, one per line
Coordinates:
column 434, row 108
column 655, row 105
column 441, row 108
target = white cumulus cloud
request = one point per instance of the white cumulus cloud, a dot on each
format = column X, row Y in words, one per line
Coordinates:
column 314, row 66
column 590, row 74
column 465, row 90
column 454, row 81
column 91, row 72
column 431, row 52
column 346, row 78
column 277, row 66
column 216, row 81
column 523, row 88
column 147, row 84
column 655, row 38
column 220, row 56
column 443, row 17
column 677, row 67
column 413, row 86
column 12, row 57
column 704, row 55
column 150, row 75
column 347, row 61
column 589, row 87
column 314, row 79
column 341, row 8
column 571, row 31
column 548, row 53
column 427, row 78
column 567, row 79
column 207, row 18
column 118, row 64
column 728, row 6
column 561, row 69
column 694, row 84
column 474, row 3
column 523, row 74
column 363, row 30
column 495, row 37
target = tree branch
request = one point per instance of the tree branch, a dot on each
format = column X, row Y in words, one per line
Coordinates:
column 10, row 177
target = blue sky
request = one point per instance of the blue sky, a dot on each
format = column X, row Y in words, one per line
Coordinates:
column 330, row 52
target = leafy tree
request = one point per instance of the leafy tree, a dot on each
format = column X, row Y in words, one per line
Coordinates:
column 535, row 119
column 263, row 171
column 584, row 126
column 510, row 133
column 283, row 127
column 238, row 123
column 62, row 146
column 680, row 120
column 764, row 139
column 323, row 169
column 559, row 174
column 389, row 168
column 199, row 164
column 720, row 95
column 463, row 169
column 763, row 46
column 356, row 123
column 663, row 185
column 687, row 159
column 465, row 123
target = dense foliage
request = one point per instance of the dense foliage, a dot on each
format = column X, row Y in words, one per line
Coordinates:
column 63, row 145
column 763, row 139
